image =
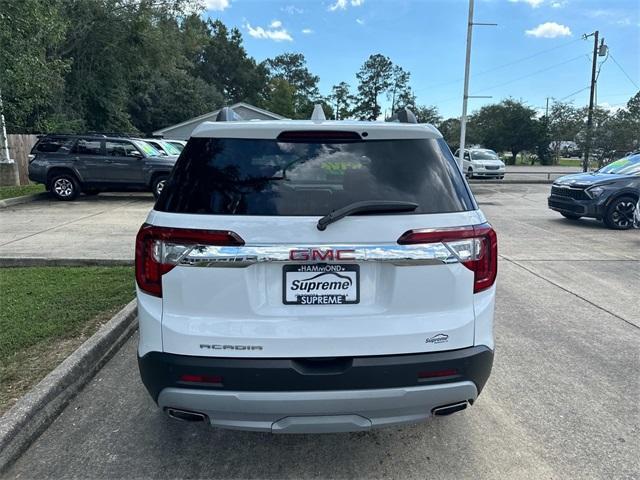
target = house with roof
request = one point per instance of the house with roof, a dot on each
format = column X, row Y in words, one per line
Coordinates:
column 182, row 131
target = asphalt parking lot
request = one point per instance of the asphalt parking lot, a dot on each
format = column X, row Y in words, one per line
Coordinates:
column 562, row 401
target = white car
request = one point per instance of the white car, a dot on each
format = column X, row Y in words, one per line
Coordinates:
column 163, row 146
column 315, row 276
column 482, row 162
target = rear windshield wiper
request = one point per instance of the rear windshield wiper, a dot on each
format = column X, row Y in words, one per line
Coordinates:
column 371, row 206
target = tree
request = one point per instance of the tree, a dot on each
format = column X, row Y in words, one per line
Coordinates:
column 450, row 129
column 292, row 68
column 400, row 92
column 375, row 78
column 613, row 134
column 225, row 64
column 427, row 114
column 170, row 98
column 342, row 100
column 281, row 98
column 31, row 73
column 563, row 123
column 509, row 125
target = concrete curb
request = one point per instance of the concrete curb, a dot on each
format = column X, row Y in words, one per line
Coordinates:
column 36, row 410
column 511, row 182
column 62, row 262
column 9, row 202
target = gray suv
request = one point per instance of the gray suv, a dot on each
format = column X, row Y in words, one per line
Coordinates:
column 70, row 164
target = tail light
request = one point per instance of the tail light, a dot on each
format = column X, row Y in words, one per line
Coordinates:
column 159, row 249
column 476, row 247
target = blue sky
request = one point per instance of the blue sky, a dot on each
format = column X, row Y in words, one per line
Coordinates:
column 535, row 52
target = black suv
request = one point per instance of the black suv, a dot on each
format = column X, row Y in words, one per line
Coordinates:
column 609, row 194
column 70, row 164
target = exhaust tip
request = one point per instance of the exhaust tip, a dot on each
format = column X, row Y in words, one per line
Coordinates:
column 449, row 409
column 185, row 415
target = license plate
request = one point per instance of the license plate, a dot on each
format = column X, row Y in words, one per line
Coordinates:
column 321, row 284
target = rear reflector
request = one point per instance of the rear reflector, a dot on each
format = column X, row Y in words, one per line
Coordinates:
column 191, row 378
column 438, row 373
column 159, row 249
column 476, row 247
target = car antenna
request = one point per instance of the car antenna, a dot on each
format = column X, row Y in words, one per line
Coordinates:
column 404, row 115
column 226, row 114
column 318, row 113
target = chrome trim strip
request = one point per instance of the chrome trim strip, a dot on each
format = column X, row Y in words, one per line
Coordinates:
column 240, row 257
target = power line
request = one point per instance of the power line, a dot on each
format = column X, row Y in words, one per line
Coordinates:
column 531, row 74
column 575, row 93
column 504, row 65
column 519, row 78
column 623, row 71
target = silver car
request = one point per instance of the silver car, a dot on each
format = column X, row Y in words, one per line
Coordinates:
column 482, row 162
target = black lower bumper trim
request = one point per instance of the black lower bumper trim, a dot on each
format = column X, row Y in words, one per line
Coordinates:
column 162, row 370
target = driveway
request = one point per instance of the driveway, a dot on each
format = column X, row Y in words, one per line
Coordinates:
column 561, row 402
column 98, row 227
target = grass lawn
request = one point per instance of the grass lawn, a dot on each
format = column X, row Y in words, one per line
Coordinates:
column 47, row 312
column 10, row 192
column 570, row 162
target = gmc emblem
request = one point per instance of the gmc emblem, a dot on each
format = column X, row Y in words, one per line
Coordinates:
column 319, row 254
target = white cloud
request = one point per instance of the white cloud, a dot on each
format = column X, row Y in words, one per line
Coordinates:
column 532, row 3
column 274, row 32
column 559, row 4
column 292, row 9
column 359, row 21
column 217, row 5
column 307, row 31
column 611, row 108
column 549, row 30
column 342, row 4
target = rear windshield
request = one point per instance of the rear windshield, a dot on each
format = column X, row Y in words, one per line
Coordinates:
column 271, row 177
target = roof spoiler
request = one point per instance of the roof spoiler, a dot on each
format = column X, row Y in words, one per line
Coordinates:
column 404, row 115
column 226, row 114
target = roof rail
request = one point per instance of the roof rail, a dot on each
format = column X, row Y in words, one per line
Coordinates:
column 404, row 115
column 110, row 134
column 226, row 114
column 318, row 113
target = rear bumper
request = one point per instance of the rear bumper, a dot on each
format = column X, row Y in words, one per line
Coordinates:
column 317, row 411
column 340, row 394
column 488, row 173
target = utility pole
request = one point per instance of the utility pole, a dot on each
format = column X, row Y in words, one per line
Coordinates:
column 466, row 96
column 546, row 111
column 585, row 161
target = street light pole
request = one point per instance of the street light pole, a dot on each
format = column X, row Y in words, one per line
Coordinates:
column 465, row 95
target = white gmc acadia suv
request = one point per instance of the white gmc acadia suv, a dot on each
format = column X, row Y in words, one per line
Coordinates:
column 315, row 276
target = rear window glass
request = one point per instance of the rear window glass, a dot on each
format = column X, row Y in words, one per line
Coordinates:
column 271, row 177
column 53, row 145
column 120, row 149
column 87, row 147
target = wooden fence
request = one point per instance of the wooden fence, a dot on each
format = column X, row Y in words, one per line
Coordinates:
column 19, row 147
